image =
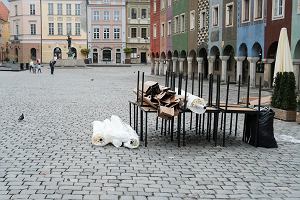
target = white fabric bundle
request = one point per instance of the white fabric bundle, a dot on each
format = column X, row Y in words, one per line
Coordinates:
column 195, row 104
column 114, row 131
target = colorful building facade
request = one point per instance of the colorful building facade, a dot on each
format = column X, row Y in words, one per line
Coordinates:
column 138, row 30
column 233, row 38
column 59, row 20
column 25, row 29
column 107, row 31
column 4, row 32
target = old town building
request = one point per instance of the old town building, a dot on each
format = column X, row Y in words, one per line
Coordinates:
column 235, row 38
column 107, row 31
column 4, row 32
column 25, row 29
column 138, row 30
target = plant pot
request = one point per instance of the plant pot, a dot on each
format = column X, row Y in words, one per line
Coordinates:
column 127, row 61
column 285, row 115
column 86, row 61
column 298, row 117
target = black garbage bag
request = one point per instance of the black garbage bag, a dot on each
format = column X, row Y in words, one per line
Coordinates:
column 265, row 131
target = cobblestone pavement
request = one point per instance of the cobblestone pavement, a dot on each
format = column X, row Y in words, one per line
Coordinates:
column 49, row 155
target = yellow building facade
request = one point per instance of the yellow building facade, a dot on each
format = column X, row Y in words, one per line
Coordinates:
column 60, row 19
column 4, row 39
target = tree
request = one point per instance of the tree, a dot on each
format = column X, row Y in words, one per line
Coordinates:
column 85, row 52
column 284, row 95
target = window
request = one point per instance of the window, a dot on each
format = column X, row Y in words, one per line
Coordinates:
column 32, row 9
column 154, row 6
column 176, row 25
column 77, row 9
column 50, row 8
column 258, row 9
column 59, row 9
column 169, row 3
column 69, row 28
column 192, row 20
column 106, row 1
column 116, row 33
column 59, row 28
column 106, row 33
column 16, row 10
column 33, row 29
column 144, row 33
column 133, row 52
column 133, row 33
column 278, row 9
column 246, row 11
column 133, row 13
column 202, row 19
column 69, row 9
column 215, row 16
column 162, row 4
column 169, row 28
column 96, row 33
column 96, row 15
column 106, row 15
column 229, row 14
column 144, row 13
column 17, row 29
column 51, row 29
column 162, row 30
column 116, row 15
column 154, row 31
column 298, row 10
column 182, row 23
column 77, row 28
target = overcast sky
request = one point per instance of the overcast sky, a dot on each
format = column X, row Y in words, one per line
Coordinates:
column 5, row 1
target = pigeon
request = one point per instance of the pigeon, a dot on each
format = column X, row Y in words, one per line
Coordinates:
column 21, row 117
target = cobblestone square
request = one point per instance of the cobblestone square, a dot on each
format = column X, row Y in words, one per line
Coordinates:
column 49, row 155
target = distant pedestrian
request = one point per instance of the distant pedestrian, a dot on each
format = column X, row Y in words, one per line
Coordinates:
column 38, row 66
column 31, row 66
column 52, row 65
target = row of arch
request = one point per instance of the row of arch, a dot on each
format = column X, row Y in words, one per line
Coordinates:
column 228, row 61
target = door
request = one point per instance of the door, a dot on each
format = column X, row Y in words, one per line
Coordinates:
column 143, row 57
column 118, row 57
column 106, row 55
column 95, row 57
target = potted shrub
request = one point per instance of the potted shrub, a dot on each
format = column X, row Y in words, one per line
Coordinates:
column 85, row 53
column 127, row 52
column 298, row 108
column 284, row 96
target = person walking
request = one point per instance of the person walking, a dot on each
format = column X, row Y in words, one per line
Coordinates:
column 31, row 65
column 38, row 66
column 52, row 65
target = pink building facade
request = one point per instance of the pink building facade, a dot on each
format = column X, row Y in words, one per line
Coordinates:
column 25, row 28
column 107, row 31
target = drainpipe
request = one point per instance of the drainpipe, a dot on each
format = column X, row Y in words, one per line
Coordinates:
column 41, row 27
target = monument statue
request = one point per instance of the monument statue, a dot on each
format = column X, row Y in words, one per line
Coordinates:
column 70, row 53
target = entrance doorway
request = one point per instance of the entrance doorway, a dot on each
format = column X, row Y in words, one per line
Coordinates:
column 143, row 57
column 74, row 51
column 106, row 55
column 118, row 57
column 95, row 57
column 57, row 53
column 17, row 54
column 33, row 54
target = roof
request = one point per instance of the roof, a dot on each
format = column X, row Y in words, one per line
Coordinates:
column 4, row 12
